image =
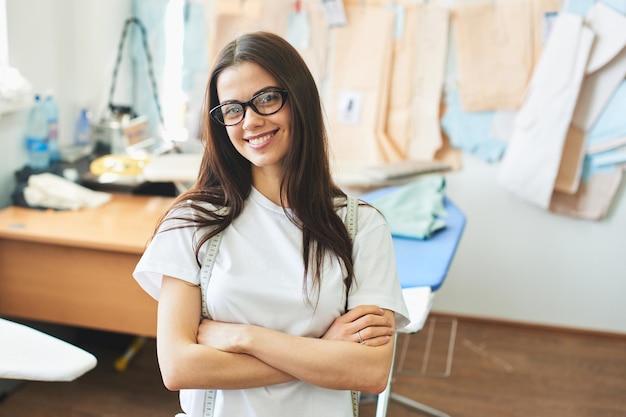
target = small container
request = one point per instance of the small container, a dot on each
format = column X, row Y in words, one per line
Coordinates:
column 82, row 136
column 36, row 136
column 52, row 113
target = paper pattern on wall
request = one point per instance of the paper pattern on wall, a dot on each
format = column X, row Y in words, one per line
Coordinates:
column 232, row 18
column 430, row 53
column 494, row 53
column 399, row 123
column 355, row 69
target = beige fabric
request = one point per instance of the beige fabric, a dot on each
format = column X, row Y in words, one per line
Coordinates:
column 360, row 70
column 570, row 169
column 494, row 53
column 226, row 19
column 430, row 51
column 399, row 123
column 317, row 52
column 592, row 200
column 539, row 9
column 230, row 18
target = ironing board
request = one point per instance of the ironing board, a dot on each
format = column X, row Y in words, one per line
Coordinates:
column 426, row 262
column 422, row 268
column 28, row 354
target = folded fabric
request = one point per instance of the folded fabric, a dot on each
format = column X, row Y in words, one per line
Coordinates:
column 414, row 210
column 52, row 191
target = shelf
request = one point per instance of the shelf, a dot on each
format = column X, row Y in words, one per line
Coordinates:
column 6, row 108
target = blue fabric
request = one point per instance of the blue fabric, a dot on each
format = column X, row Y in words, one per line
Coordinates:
column 470, row 131
column 152, row 14
column 591, row 167
column 195, row 53
column 579, row 7
column 611, row 124
column 415, row 210
column 195, row 64
column 619, row 5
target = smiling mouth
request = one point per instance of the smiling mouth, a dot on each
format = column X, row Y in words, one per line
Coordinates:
column 261, row 139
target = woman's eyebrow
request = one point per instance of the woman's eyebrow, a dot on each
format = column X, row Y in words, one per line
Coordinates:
column 269, row 87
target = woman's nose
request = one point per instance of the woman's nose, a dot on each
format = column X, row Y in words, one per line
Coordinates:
column 251, row 119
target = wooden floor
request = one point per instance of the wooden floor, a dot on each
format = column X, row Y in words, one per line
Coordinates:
column 497, row 370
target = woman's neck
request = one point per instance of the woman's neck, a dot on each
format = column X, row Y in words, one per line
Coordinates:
column 269, row 186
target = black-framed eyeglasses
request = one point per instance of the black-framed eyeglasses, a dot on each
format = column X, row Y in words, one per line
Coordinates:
column 264, row 103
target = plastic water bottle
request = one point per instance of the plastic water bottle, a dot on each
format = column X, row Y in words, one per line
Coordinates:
column 52, row 113
column 37, row 137
column 83, row 129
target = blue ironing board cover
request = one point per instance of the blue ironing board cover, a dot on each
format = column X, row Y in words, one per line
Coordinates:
column 426, row 262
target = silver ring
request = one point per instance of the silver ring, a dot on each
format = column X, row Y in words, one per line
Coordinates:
column 360, row 338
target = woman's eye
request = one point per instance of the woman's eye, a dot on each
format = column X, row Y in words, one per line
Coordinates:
column 231, row 110
column 267, row 98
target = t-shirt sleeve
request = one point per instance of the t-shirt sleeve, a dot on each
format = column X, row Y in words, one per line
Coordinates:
column 171, row 252
column 376, row 277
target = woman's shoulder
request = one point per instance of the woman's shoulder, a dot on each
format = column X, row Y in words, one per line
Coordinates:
column 190, row 212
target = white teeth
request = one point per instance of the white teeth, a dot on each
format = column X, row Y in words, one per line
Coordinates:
column 258, row 141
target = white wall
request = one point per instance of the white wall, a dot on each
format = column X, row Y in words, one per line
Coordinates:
column 515, row 262
column 68, row 46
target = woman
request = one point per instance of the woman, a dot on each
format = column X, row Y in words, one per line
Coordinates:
column 299, row 314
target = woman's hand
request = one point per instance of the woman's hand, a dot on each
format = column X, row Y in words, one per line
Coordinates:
column 365, row 324
column 219, row 335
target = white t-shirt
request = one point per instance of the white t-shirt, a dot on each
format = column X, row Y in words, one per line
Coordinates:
column 257, row 279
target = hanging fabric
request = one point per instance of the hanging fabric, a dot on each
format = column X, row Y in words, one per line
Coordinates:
column 531, row 162
column 359, row 80
column 493, row 53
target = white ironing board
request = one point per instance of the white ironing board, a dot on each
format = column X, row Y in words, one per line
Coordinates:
column 28, row 354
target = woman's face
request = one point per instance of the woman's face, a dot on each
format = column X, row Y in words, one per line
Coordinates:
column 262, row 140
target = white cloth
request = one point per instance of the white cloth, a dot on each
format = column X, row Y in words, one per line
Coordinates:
column 606, row 67
column 257, row 279
column 53, row 191
column 28, row 354
column 532, row 159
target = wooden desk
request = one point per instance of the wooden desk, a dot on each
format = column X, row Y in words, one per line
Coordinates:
column 74, row 267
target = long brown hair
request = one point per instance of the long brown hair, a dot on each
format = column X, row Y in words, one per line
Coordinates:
column 225, row 178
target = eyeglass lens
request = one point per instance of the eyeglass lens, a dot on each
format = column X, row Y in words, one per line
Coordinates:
column 265, row 103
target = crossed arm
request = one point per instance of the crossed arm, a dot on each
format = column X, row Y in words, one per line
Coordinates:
column 216, row 355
